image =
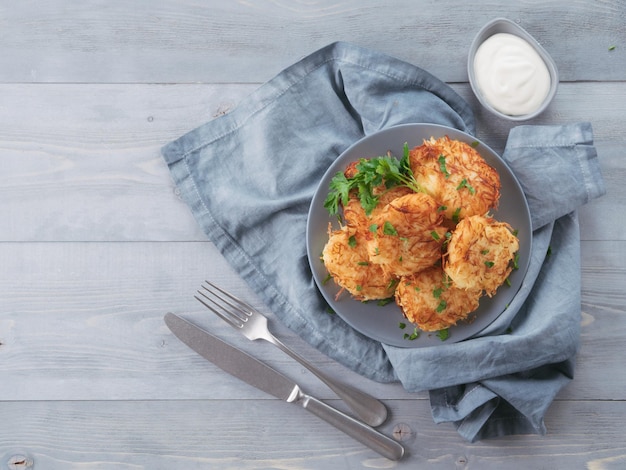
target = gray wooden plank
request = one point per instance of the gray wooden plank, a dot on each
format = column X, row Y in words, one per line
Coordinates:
column 82, row 162
column 95, row 244
column 69, row 152
column 83, row 321
column 248, row 435
column 185, row 41
column 602, row 319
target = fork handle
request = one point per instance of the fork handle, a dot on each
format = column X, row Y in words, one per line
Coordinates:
column 359, row 431
column 366, row 407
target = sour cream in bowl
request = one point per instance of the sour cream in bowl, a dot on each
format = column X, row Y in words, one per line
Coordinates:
column 510, row 73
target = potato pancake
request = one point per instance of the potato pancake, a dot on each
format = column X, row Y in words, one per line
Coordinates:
column 429, row 300
column 345, row 257
column 355, row 216
column 456, row 176
column 407, row 235
column 480, row 254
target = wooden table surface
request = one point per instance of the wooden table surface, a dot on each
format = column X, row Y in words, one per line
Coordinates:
column 96, row 244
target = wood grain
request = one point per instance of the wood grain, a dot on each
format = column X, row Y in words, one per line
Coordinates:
column 84, row 321
column 173, row 41
column 96, row 245
column 236, row 434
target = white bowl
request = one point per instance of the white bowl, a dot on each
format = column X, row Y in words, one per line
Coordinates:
column 503, row 25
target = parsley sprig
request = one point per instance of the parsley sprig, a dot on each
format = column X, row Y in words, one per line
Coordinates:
column 371, row 173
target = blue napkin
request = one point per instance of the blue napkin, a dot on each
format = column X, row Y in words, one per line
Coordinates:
column 249, row 177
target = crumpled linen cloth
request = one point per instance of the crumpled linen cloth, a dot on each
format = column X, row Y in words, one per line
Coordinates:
column 249, row 176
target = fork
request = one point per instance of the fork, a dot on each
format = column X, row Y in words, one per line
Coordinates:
column 253, row 325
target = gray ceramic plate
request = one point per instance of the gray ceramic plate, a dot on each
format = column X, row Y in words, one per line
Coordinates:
column 382, row 323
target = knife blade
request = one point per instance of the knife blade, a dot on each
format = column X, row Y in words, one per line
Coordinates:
column 260, row 375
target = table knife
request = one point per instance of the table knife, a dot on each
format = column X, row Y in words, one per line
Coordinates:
column 260, row 375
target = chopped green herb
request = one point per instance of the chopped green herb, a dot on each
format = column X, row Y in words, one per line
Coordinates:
column 442, row 306
column 329, row 310
column 489, row 264
column 389, row 229
column 443, row 334
column 442, row 165
column 484, row 252
column 373, row 228
column 475, row 144
column 352, row 241
column 326, row 279
column 516, row 261
column 412, row 336
column 402, row 325
column 442, row 208
column 612, row 48
column 383, row 302
column 435, row 235
column 465, row 184
column 359, row 288
column 456, row 215
column 363, row 263
column 437, row 292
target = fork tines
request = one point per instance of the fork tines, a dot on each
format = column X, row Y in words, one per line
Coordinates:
column 225, row 305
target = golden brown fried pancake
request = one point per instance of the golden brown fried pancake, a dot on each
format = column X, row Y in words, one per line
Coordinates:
column 429, row 300
column 480, row 254
column 456, row 176
column 406, row 235
column 345, row 257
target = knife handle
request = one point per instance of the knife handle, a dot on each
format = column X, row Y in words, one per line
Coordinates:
column 363, row 433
